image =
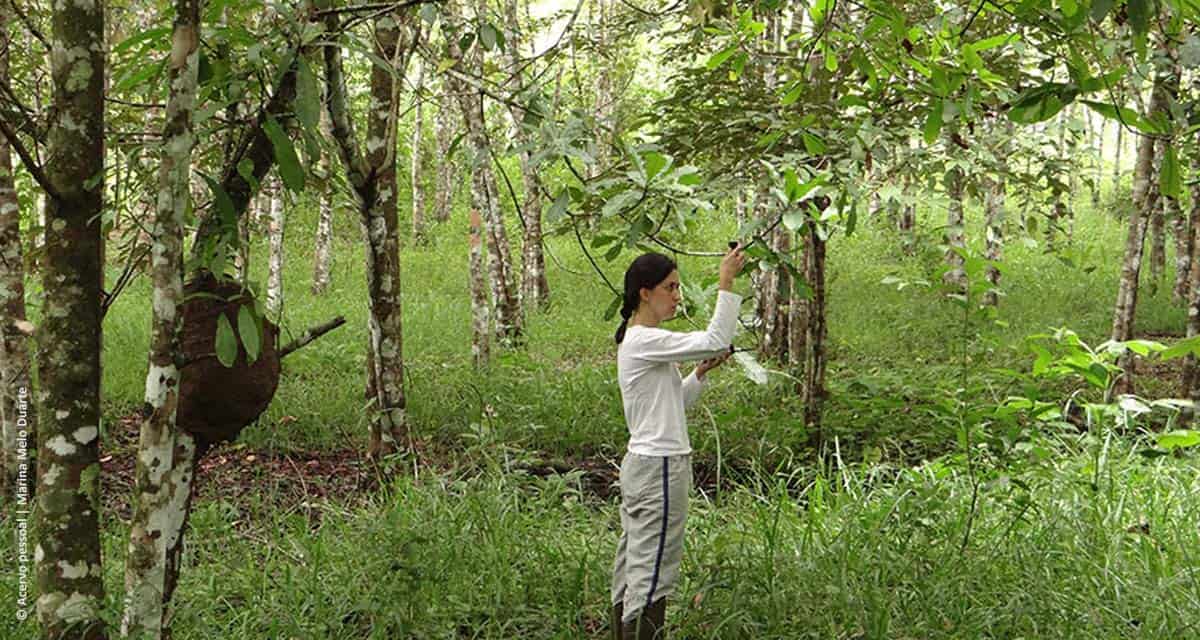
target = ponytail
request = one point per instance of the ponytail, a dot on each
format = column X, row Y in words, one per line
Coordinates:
column 628, row 306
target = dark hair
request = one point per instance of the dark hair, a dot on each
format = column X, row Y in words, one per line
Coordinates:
column 647, row 271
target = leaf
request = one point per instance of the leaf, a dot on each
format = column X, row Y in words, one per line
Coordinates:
column 285, row 154
column 226, row 342
column 721, row 56
column 1124, row 114
column 1181, row 438
column 794, row 219
column 558, row 209
column 487, row 36
column 308, row 97
column 1100, row 9
column 754, row 371
column 813, row 144
column 793, row 94
column 995, row 41
column 618, row 202
column 223, row 202
column 248, row 330
column 654, row 163
column 612, row 308
column 933, row 122
column 1181, row 348
column 1170, row 182
column 1139, row 16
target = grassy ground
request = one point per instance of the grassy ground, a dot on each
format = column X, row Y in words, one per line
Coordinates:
column 1072, row 534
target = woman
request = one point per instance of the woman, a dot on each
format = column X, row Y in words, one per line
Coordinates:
column 656, row 472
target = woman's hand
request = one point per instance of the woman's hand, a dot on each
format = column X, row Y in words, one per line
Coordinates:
column 731, row 265
column 712, row 363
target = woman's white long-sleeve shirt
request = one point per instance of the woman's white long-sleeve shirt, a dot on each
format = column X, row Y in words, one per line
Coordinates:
column 652, row 391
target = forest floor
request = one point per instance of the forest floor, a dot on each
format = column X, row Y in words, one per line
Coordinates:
column 502, row 522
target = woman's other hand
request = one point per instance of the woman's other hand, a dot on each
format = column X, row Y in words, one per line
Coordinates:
column 712, row 363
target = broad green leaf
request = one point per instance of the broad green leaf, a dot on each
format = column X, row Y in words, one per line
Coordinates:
column 248, row 330
column 654, row 163
column 721, row 56
column 226, row 342
column 813, row 144
column 285, row 154
column 1139, row 15
column 794, row 219
column 794, row 94
column 613, row 307
column 995, row 41
column 1180, row 438
column 619, row 202
column 487, row 36
column 1182, row 348
column 1100, row 9
column 558, row 209
column 1123, row 115
column 754, row 371
column 308, row 97
column 1170, row 182
column 222, row 201
column 933, row 122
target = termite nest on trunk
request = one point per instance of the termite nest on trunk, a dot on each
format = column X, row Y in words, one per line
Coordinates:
column 217, row 402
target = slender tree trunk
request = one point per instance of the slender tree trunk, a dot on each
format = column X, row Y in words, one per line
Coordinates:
column 604, row 98
column 166, row 454
column 373, row 180
column 535, row 289
column 1143, row 204
column 1183, row 249
column 67, row 520
column 1158, row 237
column 797, row 322
column 1116, row 174
column 814, row 371
column 994, row 197
column 418, row 193
column 480, row 335
column 447, row 175
column 14, row 343
column 504, row 291
column 1099, row 176
column 954, row 228
column 1191, row 379
column 275, row 257
column 323, row 254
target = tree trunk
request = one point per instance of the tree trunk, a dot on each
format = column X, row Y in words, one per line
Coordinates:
column 418, row 193
column 373, row 181
column 797, row 321
column 535, row 289
column 275, row 256
column 604, row 99
column 1116, row 174
column 17, row 429
column 322, row 254
column 447, row 175
column 777, row 287
column 166, row 455
column 814, row 366
column 1183, row 249
column 1099, row 176
column 1143, row 203
column 504, row 292
column 480, row 335
column 954, row 227
column 1158, row 237
column 67, row 520
column 1191, row 388
column 994, row 200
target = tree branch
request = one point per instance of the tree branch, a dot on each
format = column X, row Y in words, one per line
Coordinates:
column 310, row 335
column 28, row 160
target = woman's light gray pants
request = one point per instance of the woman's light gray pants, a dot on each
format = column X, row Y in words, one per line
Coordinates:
column 654, row 497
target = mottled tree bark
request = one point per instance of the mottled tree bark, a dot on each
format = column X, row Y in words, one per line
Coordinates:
column 447, row 175
column 500, row 269
column 1158, row 226
column 994, row 200
column 14, row 343
column 1116, row 173
column 797, row 321
column 322, row 253
column 275, row 223
column 814, row 366
column 1099, row 176
column 372, row 177
column 67, row 520
column 166, row 454
column 480, row 336
column 1183, row 248
column 1191, row 379
column 534, row 292
column 1131, row 265
column 418, row 193
column 778, row 294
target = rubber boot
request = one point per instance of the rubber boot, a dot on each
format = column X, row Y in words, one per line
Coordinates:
column 650, row 624
column 618, row 611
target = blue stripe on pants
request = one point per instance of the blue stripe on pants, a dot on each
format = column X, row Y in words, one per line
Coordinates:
column 662, row 536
